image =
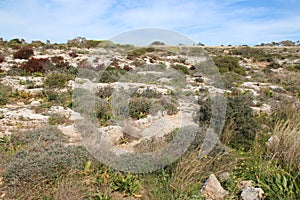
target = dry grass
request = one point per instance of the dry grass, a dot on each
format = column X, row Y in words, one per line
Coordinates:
column 285, row 142
column 192, row 171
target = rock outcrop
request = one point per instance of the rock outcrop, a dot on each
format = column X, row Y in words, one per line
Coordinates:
column 212, row 189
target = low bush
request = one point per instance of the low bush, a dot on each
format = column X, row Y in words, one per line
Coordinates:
column 104, row 112
column 148, row 93
column 111, row 74
column 58, row 98
column 228, row 64
column 240, row 125
column 231, row 80
column 24, row 53
column 274, row 65
column 5, row 92
column 127, row 183
column 132, row 55
column 276, row 181
column 2, row 58
column 139, row 107
column 169, row 104
column 44, row 158
column 295, row 67
column 57, row 80
column 181, row 68
column 105, row 92
column 45, row 164
column 55, row 119
column 92, row 43
column 258, row 55
column 36, row 65
column 46, row 135
column 45, row 65
column 57, row 59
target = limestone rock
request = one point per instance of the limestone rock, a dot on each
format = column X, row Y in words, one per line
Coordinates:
column 244, row 184
column 224, row 176
column 35, row 103
column 70, row 131
column 212, row 189
column 250, row 193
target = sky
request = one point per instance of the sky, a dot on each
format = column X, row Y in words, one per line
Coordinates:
column 212, row 22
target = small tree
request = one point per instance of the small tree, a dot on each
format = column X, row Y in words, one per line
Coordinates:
column 157, row 43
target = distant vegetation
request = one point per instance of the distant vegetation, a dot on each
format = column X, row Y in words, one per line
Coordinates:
column 157, row 43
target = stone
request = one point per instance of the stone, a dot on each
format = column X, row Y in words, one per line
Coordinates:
column 224, row 176
column 35, row 103
column 212, row 189
column 273, row 141
column 250, row 193
column 70, row 131
column 244, row 184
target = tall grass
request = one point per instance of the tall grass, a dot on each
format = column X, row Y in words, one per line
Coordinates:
column 284, row 144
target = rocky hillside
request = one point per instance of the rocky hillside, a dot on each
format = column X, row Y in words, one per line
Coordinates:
column 54, row 97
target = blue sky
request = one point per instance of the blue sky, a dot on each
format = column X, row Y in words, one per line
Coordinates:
column 212, row 22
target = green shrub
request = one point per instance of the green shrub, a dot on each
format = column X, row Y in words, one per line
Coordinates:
column 241, row 122
column 228, row 64
column 111, row 74
column 181, row 68
column 44, row 158
column 274, row 65
column 16, row 42
column 57, row 80
column 169, row 104
column 297, row 66
column 139, row 107
column 62, row 98
column 45, row 136
column 231, row 79
column 5, row 92
column 93, row 43
column 45, row 164
column 240, row 125
column 276, row 182
column 139, row 52
column 148, row 93
column 105, row 92
column 258, row 55
column 55, row 119
column 128, row 183
column 157, row 43
column 104, row 111
column 10, row 144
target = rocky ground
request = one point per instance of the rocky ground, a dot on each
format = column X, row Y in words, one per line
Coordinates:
column 161, row 89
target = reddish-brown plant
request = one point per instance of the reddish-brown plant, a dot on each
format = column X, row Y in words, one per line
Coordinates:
column 36, row 65
column 24, row 53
